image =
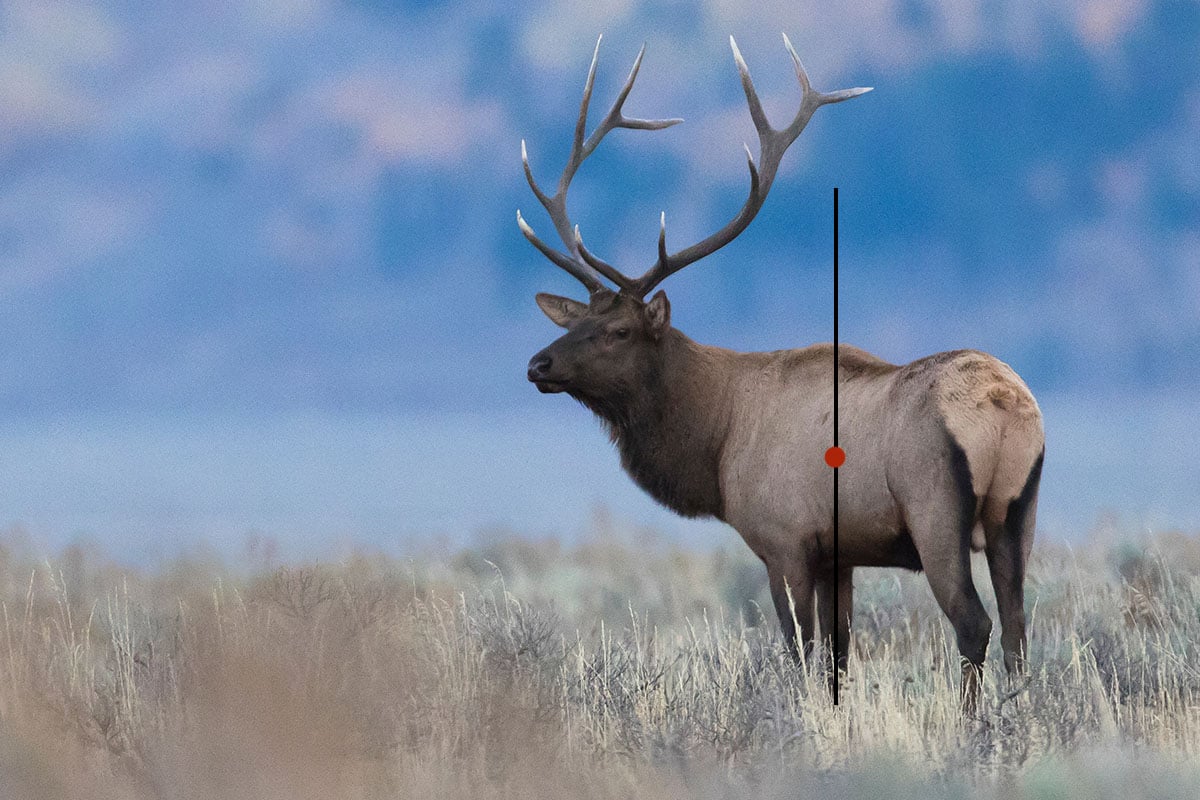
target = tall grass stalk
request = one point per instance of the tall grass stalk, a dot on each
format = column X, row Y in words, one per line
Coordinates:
column 599, row 670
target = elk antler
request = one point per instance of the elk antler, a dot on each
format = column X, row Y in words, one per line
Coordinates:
column 772, row 144
column 589, row 269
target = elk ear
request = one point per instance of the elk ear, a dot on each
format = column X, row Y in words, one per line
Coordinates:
column 562, row 311
column 658, row 314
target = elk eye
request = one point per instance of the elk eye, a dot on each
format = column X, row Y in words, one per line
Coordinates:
column 621, row 333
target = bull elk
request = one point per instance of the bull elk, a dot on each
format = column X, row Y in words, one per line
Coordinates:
column 936, row 449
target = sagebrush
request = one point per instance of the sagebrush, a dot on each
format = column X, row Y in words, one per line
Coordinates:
column 619, row 666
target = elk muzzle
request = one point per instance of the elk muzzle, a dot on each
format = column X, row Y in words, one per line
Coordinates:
column 539, row 373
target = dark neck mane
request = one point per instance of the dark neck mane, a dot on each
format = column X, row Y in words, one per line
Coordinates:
column 670, row 430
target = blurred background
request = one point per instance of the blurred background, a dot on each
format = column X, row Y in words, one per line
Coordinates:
column 260, row 277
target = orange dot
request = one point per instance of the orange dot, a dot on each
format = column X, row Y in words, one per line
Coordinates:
column 835, row 457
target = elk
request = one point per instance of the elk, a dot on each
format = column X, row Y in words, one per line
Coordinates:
column 936, row 449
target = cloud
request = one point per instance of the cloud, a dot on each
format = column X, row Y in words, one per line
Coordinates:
column 553, row 32
column 1122, row 301
column 901, row 33
column 194, row 102
column 343, row 131
column 285, row 15
column 883, row 34
column 1100, row 25
column 45, row 48
column 37, row 104
column 1126, row 279
column 397, row 121
column 302, row 104
column 50, row 227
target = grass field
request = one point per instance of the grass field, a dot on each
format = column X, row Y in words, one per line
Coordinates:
column 619, row 667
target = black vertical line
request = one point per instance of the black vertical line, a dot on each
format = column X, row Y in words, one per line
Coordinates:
column 835, row 323
column 836, row 572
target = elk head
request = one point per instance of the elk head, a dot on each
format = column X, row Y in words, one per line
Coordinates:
column 613, row 342
column 610, row 346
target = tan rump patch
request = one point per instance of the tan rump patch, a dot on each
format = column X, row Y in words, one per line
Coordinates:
column 993, row 417
column 1002, row 397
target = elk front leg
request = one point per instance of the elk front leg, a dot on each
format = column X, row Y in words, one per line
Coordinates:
column 792, row 594
column 839, row 586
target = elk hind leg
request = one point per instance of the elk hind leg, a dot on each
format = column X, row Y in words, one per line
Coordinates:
column 1009, row 530
column 955, row 593
column 941, row 527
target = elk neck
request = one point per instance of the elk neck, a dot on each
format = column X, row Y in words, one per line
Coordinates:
column 671, row 427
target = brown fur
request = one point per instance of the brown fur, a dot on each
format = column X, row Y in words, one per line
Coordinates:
column 935, row 449
column 670, row 433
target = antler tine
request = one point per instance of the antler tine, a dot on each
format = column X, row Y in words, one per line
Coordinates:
column 600, row 265
column 756, row 110
column 537, row 191
column 662, row 237
column 801, row 73
column 772, row 144
column 579, row 151
column 615, row 118
column 578, row 261
column 811, row 99
column 556, row 208
column 576, row 269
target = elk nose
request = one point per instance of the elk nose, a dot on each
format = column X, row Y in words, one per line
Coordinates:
column 539, row 366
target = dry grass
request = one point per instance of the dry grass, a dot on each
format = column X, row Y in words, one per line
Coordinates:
column 617, row 668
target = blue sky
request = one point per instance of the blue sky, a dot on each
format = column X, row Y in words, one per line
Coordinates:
column 259, row 269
